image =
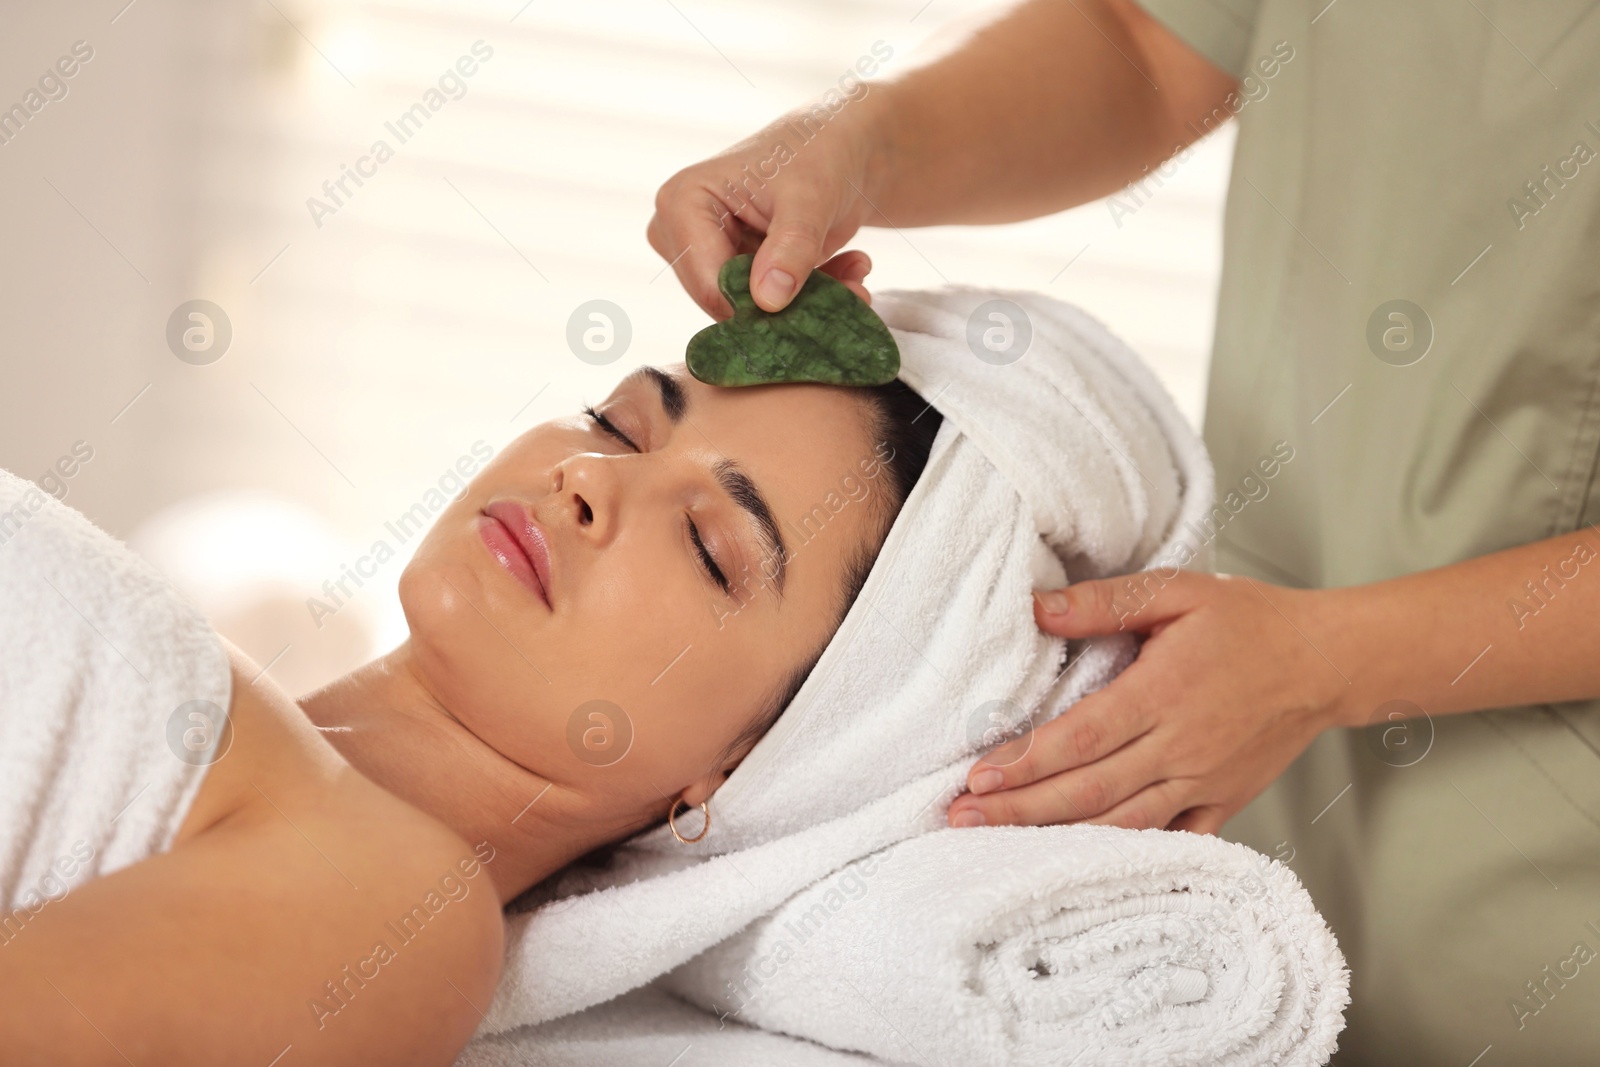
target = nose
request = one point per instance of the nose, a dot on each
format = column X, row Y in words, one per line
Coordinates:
column 587, row 487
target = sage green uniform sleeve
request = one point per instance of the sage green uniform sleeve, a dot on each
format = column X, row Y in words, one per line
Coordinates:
column 1409, row 310
column 1220, row 30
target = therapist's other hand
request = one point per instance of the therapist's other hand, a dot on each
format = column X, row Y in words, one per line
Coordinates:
column 1226, row 691
column 793, row 208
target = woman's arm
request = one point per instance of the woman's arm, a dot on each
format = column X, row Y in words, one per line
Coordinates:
column 301, row 908
column 1239, row 676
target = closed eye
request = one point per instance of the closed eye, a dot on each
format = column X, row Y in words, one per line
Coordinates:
column 706, row 559
column 609, row 427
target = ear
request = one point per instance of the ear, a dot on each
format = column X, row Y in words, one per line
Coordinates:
column 699, row 791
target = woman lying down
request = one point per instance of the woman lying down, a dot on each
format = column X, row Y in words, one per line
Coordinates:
column 327, row 878
column 772, row 625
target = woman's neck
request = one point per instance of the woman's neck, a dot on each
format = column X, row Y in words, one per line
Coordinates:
column 385, row 723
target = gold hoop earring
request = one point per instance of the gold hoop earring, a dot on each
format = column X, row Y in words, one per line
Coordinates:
column 672, row 824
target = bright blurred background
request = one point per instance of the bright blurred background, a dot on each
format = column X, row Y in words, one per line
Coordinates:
column 373, row 347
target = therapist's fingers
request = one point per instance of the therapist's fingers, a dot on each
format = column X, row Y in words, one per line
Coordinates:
column 803, row 232
column 1228, row 688
column 1070, row 797
column 1134, row 602
column 794, row 210
column 696, row 232
column 1152, row 808
column 851, row 268
column 1093, row 728
column 1204, row 819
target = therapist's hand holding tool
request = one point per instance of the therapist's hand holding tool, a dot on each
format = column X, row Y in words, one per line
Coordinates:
column 719, row 208
column 1029, row 115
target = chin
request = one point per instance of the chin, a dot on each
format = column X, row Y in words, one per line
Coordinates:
column 438, row 597
column 466, row 662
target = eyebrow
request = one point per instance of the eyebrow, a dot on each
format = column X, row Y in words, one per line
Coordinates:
column 674, row 401
column 738, row 485
column 732, row 477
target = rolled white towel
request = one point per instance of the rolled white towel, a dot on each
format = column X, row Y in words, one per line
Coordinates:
column 1081, row 944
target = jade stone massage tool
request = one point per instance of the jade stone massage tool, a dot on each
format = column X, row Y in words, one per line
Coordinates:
column 825, row 334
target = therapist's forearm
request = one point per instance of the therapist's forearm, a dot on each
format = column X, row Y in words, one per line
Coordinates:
column 1050, row 105
column 1471, row 635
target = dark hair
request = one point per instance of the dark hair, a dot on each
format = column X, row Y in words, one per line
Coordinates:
column 901, row 426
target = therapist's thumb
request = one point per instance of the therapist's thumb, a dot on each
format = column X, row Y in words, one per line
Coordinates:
column 1134, row 602
column 792, row 247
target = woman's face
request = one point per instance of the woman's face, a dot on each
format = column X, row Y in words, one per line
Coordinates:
column 658, row 624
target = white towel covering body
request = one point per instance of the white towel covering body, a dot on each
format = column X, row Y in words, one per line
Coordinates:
column 98, row 652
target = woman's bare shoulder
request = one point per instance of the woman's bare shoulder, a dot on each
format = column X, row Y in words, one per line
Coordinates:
column 312, row 908
column 267, row 746
column 277, row 763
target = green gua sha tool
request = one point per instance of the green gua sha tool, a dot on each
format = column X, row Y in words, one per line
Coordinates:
column 825, row 334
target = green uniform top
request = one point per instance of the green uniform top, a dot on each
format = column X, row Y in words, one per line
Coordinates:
column 1410, row 301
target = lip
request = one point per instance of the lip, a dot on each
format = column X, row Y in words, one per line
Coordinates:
column 519, row 544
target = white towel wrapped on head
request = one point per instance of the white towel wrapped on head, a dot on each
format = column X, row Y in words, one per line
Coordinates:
column 1069, row 463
